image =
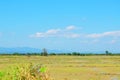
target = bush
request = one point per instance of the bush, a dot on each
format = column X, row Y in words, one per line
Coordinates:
column 26, row 72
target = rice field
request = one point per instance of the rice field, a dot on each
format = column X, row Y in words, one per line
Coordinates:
column 69, row 67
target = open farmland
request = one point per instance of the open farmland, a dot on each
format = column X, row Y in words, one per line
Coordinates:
column 70, row 67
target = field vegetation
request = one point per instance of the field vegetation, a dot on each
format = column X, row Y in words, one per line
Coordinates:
column 62, row 67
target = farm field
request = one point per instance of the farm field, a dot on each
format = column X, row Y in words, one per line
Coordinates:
column 70, row 67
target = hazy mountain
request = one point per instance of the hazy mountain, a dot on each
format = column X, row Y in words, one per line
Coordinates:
column 19, row 50
column 26, row 50
column 37, row 50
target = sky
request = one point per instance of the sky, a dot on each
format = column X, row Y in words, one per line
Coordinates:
column 74, row 25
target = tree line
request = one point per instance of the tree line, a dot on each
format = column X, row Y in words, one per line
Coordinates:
column 45, row 53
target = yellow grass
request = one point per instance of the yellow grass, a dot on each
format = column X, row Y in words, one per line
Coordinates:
column 71, row 67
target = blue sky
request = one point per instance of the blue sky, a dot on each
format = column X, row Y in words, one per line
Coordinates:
column 76, row 25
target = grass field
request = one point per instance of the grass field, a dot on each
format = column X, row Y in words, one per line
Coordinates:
column 70, row 67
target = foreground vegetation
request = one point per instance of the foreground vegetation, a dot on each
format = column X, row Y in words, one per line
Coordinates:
column 25, row 72
column 60, row 67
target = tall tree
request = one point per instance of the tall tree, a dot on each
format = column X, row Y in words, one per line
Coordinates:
column 44, row 53
column 106, row 52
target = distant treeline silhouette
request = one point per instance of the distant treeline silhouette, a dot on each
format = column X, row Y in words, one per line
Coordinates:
column 69, row 54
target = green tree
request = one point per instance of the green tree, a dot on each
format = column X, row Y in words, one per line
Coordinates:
column 44, row 53
column 76, row 53
column 108, row 53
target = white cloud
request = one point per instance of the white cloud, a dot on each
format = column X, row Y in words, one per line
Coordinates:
column 57, row 33
column 49, row 33
column 90, row 41
column 113, row 41
column 52, row 31
column 38, row 35
column 69, row 32
column 70, row 27
column 93, row 35
column 105, row 34
column 112, row 33
column 75, row 35
column 72, row 35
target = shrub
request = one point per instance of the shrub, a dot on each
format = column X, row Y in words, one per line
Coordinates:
column 26, row 72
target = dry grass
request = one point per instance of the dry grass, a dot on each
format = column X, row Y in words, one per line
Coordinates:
column 70, row 67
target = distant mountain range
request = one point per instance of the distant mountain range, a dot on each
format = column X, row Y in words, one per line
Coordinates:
column 26, row 50
column 37, row 50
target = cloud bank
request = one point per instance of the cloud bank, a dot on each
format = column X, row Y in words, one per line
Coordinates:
column 66, row 33
column 72, row 32
column 105, row 34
